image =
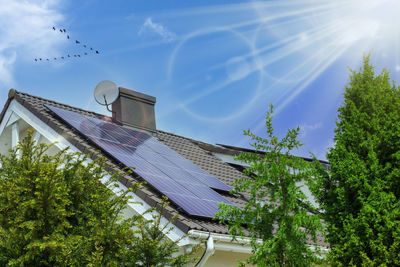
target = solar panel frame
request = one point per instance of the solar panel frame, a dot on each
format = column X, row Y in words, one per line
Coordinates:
column 159, row 169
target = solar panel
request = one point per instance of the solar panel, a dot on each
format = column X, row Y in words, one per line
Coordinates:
column 200, row 174
column 193, row 205
column 184, row 183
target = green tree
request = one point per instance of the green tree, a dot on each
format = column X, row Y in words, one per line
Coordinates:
column 55, row 211
column 152, row 247
column 361, row 193
column 276, row 215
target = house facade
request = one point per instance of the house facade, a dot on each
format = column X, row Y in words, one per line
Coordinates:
column 133, row 114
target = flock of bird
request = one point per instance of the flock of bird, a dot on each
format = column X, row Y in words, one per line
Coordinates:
column 64, row 31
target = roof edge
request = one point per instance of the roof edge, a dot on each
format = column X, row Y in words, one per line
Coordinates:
column 11, row 95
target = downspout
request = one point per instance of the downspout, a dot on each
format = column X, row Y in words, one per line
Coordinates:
column 209, row 251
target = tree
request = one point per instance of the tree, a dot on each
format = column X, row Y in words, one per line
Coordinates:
column 55, row 211
column 277, row 215
column 361, row 193
column 152, row 247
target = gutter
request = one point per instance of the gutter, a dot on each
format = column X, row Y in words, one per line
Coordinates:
column 210, row 249
column 223, row 242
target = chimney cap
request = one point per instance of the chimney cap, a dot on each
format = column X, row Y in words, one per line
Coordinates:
column 130, row 93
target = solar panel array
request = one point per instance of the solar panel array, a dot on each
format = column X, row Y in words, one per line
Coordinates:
column 183, row 182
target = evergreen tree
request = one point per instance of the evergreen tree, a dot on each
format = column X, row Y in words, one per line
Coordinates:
column 277, row 215
column 56, row 210
column 361, row 193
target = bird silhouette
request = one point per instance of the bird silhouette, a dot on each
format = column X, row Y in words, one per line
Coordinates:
column 35, row 59
column 74, row 55
column 77, row 42
column 68, row 55
column 64, row 30
column 61, row 30
column 55, row 58
column 97, row 52
column 79, row 55
column 84, row 46
column 62, row 57
column 54, row 28
column 47, row 59
column 67, row 36
column 40, row 59
column 91, row 48
column 85, row 54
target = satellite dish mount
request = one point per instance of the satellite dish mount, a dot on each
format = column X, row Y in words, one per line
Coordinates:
column 105, row 93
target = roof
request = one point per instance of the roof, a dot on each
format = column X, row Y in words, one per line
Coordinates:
column 198, row 152
column 193, row 150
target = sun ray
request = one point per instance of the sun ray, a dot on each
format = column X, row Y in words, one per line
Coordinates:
column 245, row 7
column 301, row 39
column 316, row 32
column 297, row 89
column 315, row 59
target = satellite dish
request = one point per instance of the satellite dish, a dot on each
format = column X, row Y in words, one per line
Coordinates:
column 106, row 92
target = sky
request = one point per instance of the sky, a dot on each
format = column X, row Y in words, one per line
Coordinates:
column 214, row 66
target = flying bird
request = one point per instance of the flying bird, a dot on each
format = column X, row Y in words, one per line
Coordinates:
column 91, row 48
column 35, row 59
column 62, row 57
column 97, row 52
column 68, row 55
column 40, row 59
column 55, row 58
column 74, row 55
column 64, row 30
column 54, row 28
column 84, row 46
column 79, row 55
column 67, row 36
column 47, row 59
column 85, row 54
column 77, row 42
column 61, row 30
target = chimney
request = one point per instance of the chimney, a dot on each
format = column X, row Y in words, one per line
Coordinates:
column 135, row 109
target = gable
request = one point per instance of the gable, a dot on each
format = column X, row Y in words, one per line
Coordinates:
column 16, row 123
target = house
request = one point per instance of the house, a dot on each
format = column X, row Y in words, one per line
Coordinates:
column 205, row 172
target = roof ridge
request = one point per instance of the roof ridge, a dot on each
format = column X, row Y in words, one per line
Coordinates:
column 16, row 92
column 60, row 104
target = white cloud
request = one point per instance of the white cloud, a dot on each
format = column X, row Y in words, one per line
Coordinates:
column 306, row 128
column 26, row 32
column 157, row 28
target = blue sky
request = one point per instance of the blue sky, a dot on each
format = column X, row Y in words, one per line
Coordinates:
column 214, row 66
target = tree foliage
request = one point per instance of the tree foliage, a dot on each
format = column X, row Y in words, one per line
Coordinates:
column 153, row 248
column 361, row 193
column 56, row 210
column 276, row 215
